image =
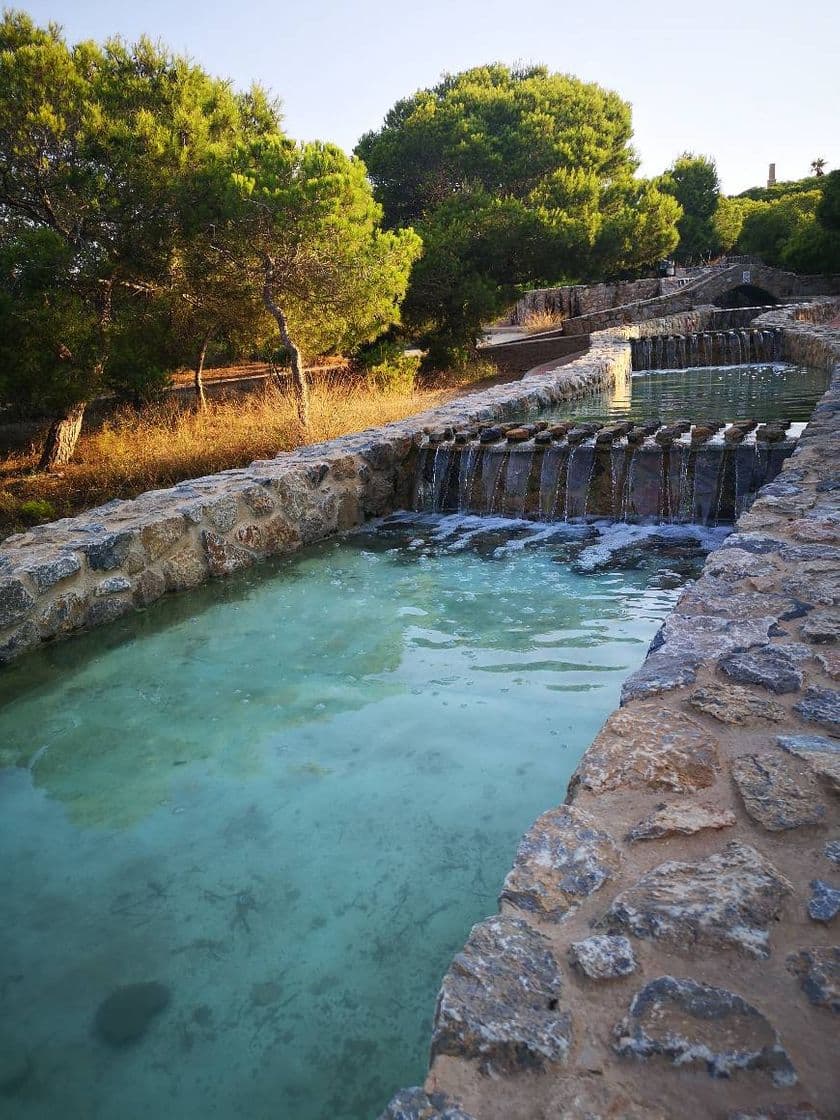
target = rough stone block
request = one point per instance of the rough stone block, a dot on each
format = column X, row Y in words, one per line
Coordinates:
column 498, row 1004
column 184, row 569
column 223, row 557
column 280, row 535
column 149, row 587
column 642, row 747
column 15, row 601
column 821, row 754
column 603, row 957
column 113, row 585
column 258, row 500
column 818, row 972
column 106, row 609
column 824, row 903
column 772, row 667
column 65, row 613
column 776, row 794
column 561, row 860
column 726, row 901
column 161, row 536
column 680, row 819
column 48, row 573
column 730, row 703
column 222, row 512
column 110, row 552
column 821, row 705
column 692, row 1024
column 23, row 638
column 684, row 643
column 416, row 1104
column 821, row 627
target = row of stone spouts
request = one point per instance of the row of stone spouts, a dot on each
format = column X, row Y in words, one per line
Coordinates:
column 635, row 432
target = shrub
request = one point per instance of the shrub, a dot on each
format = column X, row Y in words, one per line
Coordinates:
column 36, row 510
column 387, row 366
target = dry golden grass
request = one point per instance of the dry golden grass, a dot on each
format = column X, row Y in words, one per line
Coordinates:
column 132, row 452
column 536, row 321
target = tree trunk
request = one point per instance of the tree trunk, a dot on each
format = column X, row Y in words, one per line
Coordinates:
column 299, row 382
column 198, row 380
column 62, row 438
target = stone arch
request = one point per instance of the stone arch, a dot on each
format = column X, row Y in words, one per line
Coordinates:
column 745, row 295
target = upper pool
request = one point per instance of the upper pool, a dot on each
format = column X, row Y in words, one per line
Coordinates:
column 286, row 798
column 760, row 392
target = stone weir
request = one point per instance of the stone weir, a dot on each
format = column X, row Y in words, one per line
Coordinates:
column 668, row 938
column 708, row 348
column 706, row 473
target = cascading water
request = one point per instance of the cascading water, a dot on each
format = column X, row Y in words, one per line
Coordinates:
column 707, row 348
column 674, row 475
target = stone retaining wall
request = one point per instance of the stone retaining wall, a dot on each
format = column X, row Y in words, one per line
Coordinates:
column 707, row 288
column 569, row 300
column 668, row 940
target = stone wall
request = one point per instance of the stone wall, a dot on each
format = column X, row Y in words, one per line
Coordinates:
column 668, row 941
column 522, row 354
column 83, row 571
column 704, row 290
column 571, row 300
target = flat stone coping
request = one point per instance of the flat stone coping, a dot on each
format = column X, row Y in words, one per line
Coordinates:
column 668, row 938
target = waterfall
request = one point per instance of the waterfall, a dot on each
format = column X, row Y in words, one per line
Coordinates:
column 555, row 460
column 514, row 492
column 578, row 477
column 466, row 477
column 668, row 479
column 707, row 348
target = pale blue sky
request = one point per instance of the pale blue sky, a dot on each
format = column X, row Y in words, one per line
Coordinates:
column 745, row 81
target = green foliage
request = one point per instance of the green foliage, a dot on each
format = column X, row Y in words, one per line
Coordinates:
column 769, row 227
column 789, row 230
column 36, row 510
column 496, row 130
column 779, row 190
column 387, row 366
column 512, row 177
column 308, row 210
column 140, row 203
column 728, row 221
column 99, row 146
column 17, row 514
column 693, row 181
column 828, row 210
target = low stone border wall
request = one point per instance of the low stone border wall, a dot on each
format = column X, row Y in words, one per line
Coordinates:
column 668, row 941
column 83, row 571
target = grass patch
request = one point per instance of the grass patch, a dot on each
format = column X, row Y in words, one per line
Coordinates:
column 535, row 321
column 166, row 443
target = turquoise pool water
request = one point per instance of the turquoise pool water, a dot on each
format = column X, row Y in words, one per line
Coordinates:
column 287, row 797
column 759, row 392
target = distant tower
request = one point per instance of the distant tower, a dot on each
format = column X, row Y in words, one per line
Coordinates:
column 771, row 177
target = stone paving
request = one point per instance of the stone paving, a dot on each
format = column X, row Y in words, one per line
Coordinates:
column 668, row 942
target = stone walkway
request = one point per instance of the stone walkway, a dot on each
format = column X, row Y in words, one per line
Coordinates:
column 668, row 942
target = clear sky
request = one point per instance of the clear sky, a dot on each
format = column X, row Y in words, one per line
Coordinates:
column 747, row 82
